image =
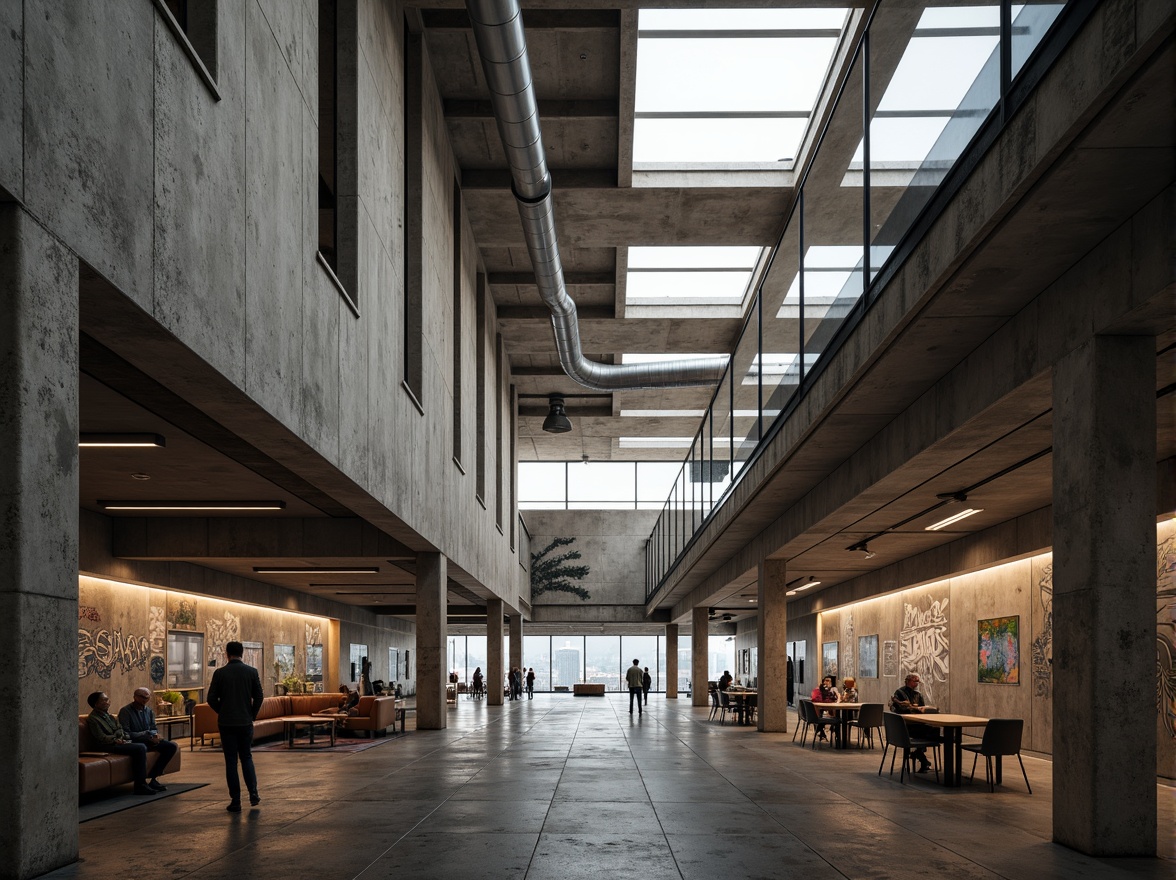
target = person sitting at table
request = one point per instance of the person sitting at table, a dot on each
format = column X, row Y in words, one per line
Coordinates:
column 849, row 691
column 908, row 701
column 725, row 680
column 825, row 693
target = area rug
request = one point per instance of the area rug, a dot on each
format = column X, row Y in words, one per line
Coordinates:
column 343, row 744
column 112, row 800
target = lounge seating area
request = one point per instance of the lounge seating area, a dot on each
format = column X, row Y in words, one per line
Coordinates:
column 373, row 714
column 99, row 769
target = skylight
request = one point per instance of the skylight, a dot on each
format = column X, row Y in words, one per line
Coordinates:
column 633, row 358
column 728, row 87
column 718, row 275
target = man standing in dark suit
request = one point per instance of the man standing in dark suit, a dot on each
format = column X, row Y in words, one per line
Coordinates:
column 235, row 696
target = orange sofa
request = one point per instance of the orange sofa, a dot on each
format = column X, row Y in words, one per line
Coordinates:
column 375, row 714
column 98, row 769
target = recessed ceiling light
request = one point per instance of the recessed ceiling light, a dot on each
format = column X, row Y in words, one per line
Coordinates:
column 311, row 569
column 140, row 476
column 790, row 593
column 192, row 505
column 121, row 441
column 954, row 518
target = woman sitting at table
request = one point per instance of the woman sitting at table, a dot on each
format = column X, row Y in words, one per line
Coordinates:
column 826, row 693
column 849, row 691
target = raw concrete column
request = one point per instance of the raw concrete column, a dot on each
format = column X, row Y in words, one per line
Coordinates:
column 772, row 637
column 516, row 643
column 495, row 673
column 431, row 579
column 671, row 661
column 38, row 547
column 699, row 656
column 1104, row 594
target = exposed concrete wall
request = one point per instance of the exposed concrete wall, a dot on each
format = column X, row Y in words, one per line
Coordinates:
column 12, row 97
column 38, row 544
column 611, row 543
column 202, row 215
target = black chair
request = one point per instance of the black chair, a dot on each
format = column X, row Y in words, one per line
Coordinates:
column 869, row 719
column 725, row 706
column 714, row 695
column 816, row 721
column 801, row 722
column 899, row 737
column 1002, row 736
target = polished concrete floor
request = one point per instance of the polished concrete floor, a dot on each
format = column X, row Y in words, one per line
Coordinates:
column 567, row 787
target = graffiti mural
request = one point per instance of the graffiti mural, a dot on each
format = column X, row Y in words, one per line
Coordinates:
column 1166, row 633
column 923, row 645
column 1043, row 642
column 889, row 659
column 101, row 651
column 218, row 634
column 90, row 613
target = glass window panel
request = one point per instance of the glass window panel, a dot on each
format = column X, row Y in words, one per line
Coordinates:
column 602, row 505
column 684, row 660
column 600, row 481
column 655, row 479
column 747, row 399
column 543, row 505
column 567, row 660
column 742, row 19
column 476, row 656
column 723, row 141
column 669, row 285
column 457, row 657
column 537, row 656
column 541, row 481
column 708, row 257
column 731, row 74
column 722, row 656
column 602, row 662
column 644, row 650
column 1030, row 24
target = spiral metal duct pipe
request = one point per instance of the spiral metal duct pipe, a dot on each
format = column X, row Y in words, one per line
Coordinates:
column 502, row 45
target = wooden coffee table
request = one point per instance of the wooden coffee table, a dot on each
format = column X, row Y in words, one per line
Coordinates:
column 310, row 722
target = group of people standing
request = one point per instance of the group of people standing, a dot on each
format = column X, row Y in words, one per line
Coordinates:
column 515, row 680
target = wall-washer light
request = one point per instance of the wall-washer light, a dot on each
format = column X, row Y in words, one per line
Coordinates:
column 963, row 514
column 121, row 441
column 312, row 569
column 192, row 505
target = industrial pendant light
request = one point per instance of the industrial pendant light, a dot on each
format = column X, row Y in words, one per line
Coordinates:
column 557, row 419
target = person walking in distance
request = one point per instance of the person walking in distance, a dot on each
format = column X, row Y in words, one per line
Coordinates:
column 633, row 678
column 646, row 684
column 235, row 695
column 530, row 683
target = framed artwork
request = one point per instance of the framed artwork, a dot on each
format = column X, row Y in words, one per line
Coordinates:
column 181, row 612
column 283, row 661
column 890, row 659
column 254, row 655
column 314, row 663
column 868, row 656
column 829, row 659
column 998, row 658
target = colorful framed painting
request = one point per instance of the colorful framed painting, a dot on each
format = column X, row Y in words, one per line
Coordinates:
column 999, row 650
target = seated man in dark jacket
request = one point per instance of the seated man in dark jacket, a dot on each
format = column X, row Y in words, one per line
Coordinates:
column 138, row 720
column 908, row 701
column 108, row 733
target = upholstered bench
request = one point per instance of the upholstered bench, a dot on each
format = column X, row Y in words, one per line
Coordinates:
column 98, row 769
column 588, row 690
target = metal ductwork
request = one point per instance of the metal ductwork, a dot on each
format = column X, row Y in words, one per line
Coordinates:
column 498, row 29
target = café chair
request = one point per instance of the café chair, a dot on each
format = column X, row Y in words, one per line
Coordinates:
column 868, row 720
column 801, row 722
column 725, row 706
column 715, row 707
column 1002, row 736
column 899, row 737
column 815, row 721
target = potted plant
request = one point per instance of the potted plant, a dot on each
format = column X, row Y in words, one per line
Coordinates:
column 293, row 684
column 172, row 699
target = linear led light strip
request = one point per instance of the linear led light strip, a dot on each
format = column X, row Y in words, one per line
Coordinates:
column 963, row 514
column 192, row 505
column 812, row 582
column 121, row 441
column 324, row 569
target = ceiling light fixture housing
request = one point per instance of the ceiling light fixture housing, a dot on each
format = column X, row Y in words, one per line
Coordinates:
column 317, row 569
column 954, row 518
column 557, row 421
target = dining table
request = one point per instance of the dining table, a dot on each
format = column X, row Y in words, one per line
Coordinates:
column 844, row 713
column 953, row 731
column 744, row 699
